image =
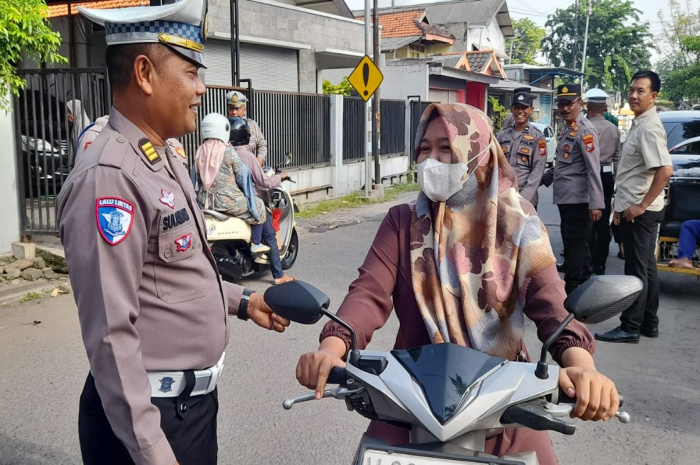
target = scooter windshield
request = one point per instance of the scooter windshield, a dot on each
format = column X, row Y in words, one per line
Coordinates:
column 445, row 372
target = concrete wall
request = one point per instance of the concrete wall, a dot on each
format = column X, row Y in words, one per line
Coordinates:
column 9, row 190
column 283, row 22
column 400, row 81
column 491, row 37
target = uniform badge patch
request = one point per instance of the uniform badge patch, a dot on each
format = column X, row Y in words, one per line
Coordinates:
column 167, row 198
column 166, row 384
column 180, row 151
column 523, row 159
column 148, row 150
column 588, row 140
column 528, row 137
column 504, row 148
column 542, row 145
column 184, row 242
column 566, row 147
column 87, row 144
column 573, row 134
column 524, row 150
column 114, row 218
column 566, row 155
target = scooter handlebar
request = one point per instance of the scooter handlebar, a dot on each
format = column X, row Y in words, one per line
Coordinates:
column 338, row 375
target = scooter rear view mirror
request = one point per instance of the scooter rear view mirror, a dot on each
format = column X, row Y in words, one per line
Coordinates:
column 603, row 297
column 297, row 301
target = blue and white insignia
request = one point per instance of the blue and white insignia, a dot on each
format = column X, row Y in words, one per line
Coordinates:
column 166, row 384
column 184, row 242
column 167, row 198
column 114, row 218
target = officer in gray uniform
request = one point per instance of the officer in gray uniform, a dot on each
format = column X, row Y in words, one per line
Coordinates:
column 524, row 145
column 152, row 308
column 609, row 140
column 238, row 106
column 578, row 191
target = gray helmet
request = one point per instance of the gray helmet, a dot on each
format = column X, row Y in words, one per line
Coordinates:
column 240, row 132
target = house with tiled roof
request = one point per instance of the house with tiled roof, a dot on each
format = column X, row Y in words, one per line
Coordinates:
column 297, row 39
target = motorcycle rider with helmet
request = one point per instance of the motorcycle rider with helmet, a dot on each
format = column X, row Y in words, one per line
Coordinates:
column 240, row 139
column 224, row 182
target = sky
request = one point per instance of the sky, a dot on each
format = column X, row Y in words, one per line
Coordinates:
column 537, row 10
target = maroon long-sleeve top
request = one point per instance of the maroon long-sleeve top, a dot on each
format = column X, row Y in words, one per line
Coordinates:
column 385, row 283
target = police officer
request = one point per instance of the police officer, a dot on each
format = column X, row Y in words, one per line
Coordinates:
column 151, row 305
column 578, row 191
column 609, row 140
column 524, row 145
column 237, row 106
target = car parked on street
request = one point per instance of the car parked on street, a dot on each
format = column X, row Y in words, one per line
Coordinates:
column 680, row 126
column 551, row 141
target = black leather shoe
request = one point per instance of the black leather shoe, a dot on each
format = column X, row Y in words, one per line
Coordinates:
column 649, row 332
column 560, row 267
column 618, row 335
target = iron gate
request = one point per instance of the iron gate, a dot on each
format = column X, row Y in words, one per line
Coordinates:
column 45, row 138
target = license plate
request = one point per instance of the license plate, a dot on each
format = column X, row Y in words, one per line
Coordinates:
column 376, row 457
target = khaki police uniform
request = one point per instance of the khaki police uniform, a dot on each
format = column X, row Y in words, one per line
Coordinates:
column 609, row 140
column 148, row 291
column 257, row 144
column 577, row 189
column 526, row 152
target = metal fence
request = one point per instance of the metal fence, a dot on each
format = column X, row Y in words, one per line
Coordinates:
column 353, row 128
column 292, row 123
column 392, row 127
column 45, row 138
column 417, row 109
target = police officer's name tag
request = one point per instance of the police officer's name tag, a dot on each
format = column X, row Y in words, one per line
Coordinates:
column 114, row 218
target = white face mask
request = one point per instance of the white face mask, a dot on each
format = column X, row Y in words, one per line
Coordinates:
column 440, row 181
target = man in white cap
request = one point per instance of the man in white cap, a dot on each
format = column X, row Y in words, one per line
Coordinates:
column 151, row 305
column 237, row 104
column 609, row 144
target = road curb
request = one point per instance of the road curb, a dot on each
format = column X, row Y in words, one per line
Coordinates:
column 14, row 294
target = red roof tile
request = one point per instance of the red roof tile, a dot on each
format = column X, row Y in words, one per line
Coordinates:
column 56, row 10
column 400, row 24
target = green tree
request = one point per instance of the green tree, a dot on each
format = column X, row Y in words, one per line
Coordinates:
column 679, row 66
column 618, row 43
column 344, row 88
column 24, row 31
column 525, row 45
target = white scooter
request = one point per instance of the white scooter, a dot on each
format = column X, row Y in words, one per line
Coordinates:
column 452, row 398
column 229, row 237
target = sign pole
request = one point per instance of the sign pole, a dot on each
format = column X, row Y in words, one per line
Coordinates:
column 375, row 100
column 368, row 176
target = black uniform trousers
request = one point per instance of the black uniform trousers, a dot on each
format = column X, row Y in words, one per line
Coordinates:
column 640, row 240
column 575, row 229
column 599, row 240
column 191, row 430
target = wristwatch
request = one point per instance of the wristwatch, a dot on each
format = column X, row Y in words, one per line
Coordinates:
column 242, row 312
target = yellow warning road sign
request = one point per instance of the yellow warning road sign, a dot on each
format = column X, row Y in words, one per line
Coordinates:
column 365, row 78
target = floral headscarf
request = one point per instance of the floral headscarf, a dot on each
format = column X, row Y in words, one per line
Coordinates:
column 472, row 255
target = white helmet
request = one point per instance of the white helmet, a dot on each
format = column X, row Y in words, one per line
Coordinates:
column 215, row 126
column 595, row 95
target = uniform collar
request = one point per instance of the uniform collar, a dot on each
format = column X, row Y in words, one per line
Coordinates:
column 136, row 138
column 647, row 114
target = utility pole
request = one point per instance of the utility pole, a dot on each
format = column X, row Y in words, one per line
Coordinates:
column 368, row 174
column 375, row 100
column 574, row 52
column 235, row 45
column 585, row 37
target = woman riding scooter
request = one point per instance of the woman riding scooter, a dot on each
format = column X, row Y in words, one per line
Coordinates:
column 240, row 138
column 223, row 181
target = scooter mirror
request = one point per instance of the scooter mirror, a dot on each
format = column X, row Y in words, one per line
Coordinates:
column 297, row 301
column 603, row 297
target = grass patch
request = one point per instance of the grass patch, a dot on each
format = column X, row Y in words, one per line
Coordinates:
column 354, row 200
column 29, row 296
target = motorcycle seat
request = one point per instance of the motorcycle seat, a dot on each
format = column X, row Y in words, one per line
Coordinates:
column 218, row 215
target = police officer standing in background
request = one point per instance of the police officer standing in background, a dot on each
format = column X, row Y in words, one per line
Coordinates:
column 152, row 308
column 578, row 191
column 609, row 140
column 524, row 145
column 237, row 106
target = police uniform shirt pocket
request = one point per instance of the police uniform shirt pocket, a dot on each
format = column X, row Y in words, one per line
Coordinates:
column 180, row 269
column 565, row 151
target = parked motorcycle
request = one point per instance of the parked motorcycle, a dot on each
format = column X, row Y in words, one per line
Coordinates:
column 229, row 236
column 450, row 397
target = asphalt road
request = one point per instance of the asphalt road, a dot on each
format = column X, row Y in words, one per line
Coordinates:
column 43, row 366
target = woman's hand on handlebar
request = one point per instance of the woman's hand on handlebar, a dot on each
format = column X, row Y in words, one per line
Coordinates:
column 595, row 394
column 314, row 368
